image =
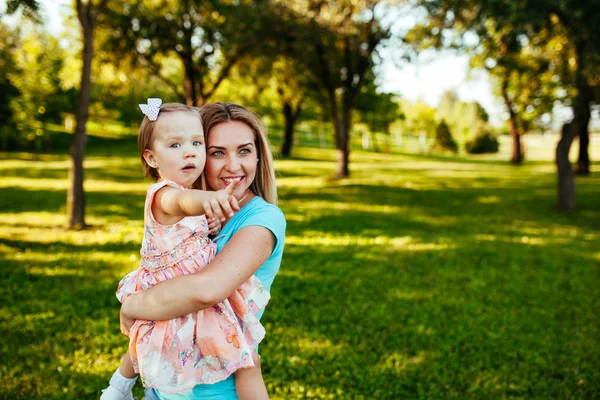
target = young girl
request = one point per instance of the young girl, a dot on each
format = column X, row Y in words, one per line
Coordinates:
column 205, row 346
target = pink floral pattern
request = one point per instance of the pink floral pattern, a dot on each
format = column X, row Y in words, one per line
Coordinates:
column 203, row 347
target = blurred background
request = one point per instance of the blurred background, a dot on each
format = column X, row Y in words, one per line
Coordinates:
column 435, row 247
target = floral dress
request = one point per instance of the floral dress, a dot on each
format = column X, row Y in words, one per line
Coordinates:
column 202, row 347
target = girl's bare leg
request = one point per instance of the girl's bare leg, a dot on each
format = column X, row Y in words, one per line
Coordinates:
column 249, row 383
column 126, row 368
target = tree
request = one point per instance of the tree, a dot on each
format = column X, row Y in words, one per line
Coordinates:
column 38, row 62
column 505, row 34
column 276, row 87
column 336, row 43
column 444, row 139
column 29, row 8
column 533, row 24
column 293, row 86
column 376, row 109
column 207, row 39
column 566, row 180
column 420, row 119
column 580, row 23
column 465, row 119
column 8, row 90
column 87, row 14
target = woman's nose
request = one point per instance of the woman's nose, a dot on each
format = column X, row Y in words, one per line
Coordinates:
column 233, row 164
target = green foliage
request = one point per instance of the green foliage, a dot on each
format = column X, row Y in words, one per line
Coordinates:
column 204, row 39
column 377, row 110
column 443, row 138
column 32, row 66
column 404, row 281
column 29, row 8
column 464, row 119
column 420, row 118
column 484, row 142
column 336, row 42
column 8, row 90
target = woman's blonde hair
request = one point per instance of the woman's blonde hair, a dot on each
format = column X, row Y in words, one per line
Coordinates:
column 214, row 114
column 147, row 133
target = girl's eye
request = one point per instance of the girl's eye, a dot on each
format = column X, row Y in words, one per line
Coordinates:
column 175, row 145
column 197, row 143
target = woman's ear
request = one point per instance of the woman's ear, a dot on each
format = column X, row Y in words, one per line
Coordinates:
column 149, row 157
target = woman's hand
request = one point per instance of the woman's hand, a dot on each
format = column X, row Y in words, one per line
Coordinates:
column 126, row 321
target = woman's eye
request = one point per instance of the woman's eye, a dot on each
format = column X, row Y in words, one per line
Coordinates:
column 197, row 143
column 217, row 153
column 175, row 145
column 245, row 151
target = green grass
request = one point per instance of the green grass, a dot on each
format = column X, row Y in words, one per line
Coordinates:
column 418, row 278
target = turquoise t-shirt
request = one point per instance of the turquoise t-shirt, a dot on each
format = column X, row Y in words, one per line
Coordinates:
column 256, row 213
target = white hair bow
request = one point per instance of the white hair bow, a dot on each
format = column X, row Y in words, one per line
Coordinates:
column 152, row 108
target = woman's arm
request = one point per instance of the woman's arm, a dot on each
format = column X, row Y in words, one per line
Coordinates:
column 241, row 257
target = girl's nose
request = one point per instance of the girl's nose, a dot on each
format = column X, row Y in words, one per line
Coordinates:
column 189, row 151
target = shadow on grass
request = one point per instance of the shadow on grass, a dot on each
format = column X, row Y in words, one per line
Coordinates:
column 95, row 145
column 501, row 206
column 21, row 200
column 70, row 248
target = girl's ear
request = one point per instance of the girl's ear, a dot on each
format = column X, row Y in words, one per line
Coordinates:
column 149, row 157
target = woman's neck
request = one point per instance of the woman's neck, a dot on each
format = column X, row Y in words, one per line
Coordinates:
column 245, row 198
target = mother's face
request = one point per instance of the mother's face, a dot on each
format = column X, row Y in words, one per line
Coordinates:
column 231, row 154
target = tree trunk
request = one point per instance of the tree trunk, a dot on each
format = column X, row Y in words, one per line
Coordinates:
column 75, row 194
column 566, row 178
column 582, row 114
column 342, row 144
column 517, row 152
column 288, row 132
column 341, row 126
column 189, row 82
column 583, row 163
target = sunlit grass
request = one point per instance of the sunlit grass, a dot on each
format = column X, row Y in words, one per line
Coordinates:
column 418, row 277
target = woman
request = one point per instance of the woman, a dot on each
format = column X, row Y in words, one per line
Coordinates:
column 251, row 242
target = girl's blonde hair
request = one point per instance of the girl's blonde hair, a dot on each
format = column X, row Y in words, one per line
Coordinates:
column 147, row 133
column 214, row 114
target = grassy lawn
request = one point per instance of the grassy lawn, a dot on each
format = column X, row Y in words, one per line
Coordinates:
column 418, row 278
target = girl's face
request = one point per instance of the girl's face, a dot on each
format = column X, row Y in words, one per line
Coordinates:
column 231, row 155
column 178, row 150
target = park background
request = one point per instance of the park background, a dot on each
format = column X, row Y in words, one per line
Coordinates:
column 427, row 254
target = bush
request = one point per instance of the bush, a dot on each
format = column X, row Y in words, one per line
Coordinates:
column 444, row 139
column 483, row 143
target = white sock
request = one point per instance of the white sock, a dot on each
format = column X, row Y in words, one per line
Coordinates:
column 122, row 384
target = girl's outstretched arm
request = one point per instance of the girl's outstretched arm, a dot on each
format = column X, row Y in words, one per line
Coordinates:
column 170, row 203
column 241, row 257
